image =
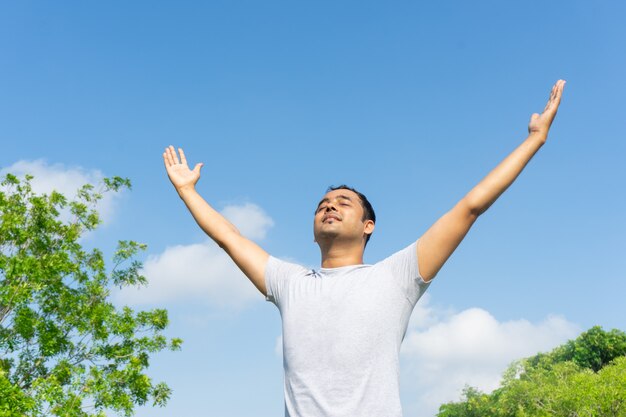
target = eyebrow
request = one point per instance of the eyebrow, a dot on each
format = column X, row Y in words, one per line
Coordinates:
column 326, row 200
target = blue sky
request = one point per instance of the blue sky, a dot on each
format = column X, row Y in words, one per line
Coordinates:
column 411, row 103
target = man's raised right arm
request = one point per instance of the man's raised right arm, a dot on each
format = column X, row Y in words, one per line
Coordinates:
column 248, row 256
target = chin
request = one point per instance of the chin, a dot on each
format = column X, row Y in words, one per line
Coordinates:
column 322, row 235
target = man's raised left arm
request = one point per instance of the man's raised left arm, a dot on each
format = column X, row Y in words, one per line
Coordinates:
column 439, row 242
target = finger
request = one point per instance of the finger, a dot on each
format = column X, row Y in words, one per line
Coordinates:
column 554, row 92
column 197, row 167
column 173, row 155
column 165, row 160
column 554, row 99
column 549, row 99
column 558, row 92
column 183, row 160
column 168, row 157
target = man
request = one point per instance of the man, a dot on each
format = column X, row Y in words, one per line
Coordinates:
column 343, row 324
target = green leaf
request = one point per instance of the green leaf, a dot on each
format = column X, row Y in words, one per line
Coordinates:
column 65, row 349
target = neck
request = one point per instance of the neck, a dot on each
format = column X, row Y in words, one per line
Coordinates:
column 335, row 256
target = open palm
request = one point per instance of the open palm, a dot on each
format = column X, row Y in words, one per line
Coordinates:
column 540, row 123
column 178, row 171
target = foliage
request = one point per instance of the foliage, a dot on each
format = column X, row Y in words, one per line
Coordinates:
column 584, row 377
column 476, row 404
column 593, row 349
column 65, row 349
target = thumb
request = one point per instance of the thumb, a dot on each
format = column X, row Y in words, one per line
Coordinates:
column 534, row 117
column 196, row 169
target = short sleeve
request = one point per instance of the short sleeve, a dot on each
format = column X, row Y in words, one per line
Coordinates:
column 277, row 276
column 404, row 268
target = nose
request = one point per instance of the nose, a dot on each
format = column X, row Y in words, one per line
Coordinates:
column 330, row 207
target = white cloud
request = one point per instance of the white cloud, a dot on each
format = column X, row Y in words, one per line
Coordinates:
column 467, row 348
column 250, row 219
column 203, row 271
column 63, row 179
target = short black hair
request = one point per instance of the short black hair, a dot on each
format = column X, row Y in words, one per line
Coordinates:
column 368, row 210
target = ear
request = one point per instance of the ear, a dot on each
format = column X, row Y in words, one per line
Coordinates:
column 369, row 227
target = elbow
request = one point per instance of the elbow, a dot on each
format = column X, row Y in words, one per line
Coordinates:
column 477, row 211
column 471, row 208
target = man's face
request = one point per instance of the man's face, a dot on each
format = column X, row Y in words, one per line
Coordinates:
column 340, row 215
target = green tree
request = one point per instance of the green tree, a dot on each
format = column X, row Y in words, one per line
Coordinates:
column 611, row 388
column 65, row 349
column 593, row 349
column 474, row 404
column 583, row 377
column 567, row 389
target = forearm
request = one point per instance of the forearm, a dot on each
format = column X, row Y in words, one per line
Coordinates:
column 483, row 195
column 212, row 222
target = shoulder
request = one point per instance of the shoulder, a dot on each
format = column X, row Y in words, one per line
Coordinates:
column 404, row 262
column 276, row 266
column 406, row 254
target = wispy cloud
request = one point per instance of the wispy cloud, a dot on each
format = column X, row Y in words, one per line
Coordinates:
column 443, row 351
column 202, row 271
column 65, row 180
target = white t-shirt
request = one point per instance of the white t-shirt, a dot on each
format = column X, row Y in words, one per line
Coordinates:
column 342, row 330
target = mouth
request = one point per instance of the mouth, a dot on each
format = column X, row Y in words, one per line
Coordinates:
column 330, row 217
